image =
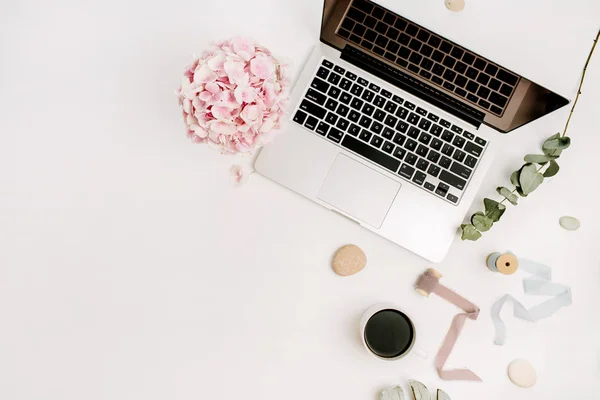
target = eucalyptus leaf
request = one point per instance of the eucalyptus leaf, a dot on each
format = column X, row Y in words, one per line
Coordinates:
column 481, row 222
column 552, row 152
column 419, row 390
column 552, row 169
column 493, row 209
column 538, row 158
column 530, row 179
column 514, row 178
column 520, row 191
column 392, row 393
column 560, row 143
column 469, row 232
column 508, row 195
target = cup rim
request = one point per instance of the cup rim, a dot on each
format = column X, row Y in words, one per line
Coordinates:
column 374, row 309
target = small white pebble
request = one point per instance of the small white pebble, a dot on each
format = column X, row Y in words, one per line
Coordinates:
column 455, row 5
column 569, row 223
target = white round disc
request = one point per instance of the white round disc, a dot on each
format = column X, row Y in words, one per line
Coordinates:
column 522, row 373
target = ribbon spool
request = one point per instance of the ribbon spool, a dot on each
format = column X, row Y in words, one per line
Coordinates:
column 506, row 264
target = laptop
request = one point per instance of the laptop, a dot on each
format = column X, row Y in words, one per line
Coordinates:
column 391, row 125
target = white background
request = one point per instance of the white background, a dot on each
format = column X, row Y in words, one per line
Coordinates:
column 131, row 268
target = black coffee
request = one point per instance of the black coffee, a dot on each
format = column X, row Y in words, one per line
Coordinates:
column 389, row 333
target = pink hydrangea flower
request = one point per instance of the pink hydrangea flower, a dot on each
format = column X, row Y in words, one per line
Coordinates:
column 233, row 97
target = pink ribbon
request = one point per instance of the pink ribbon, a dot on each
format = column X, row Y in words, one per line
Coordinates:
column 429, row 283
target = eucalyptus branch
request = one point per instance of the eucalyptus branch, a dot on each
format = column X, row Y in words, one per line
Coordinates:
column 526, row 179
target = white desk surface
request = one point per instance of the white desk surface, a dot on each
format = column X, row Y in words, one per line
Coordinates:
column 130, row 268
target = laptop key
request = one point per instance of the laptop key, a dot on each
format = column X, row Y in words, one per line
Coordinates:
column 331, row 104
column 419, row 178
column 447, row 150
column 399, row 139
column 402, row 126
column 422, row 150
column 339, row 69
column 402, row 112
column 377, row 127
column 445, row 162
column 411, row 158
column 399, row 153
column 442, row 189
column 434, row 170
column 425, row 138
column 299, row 117
column 388, row 147
column 342, row 110
column 354, row 130
column 376, row 141
column 436, row 144
column 452, row 198
column 315, row 96
column 365, row 135
column 346, row 84
column 367, row 95
column 413, row 132
column 356, row 90
column 433, row 117
column 335, row 135
column 447, row 136
column 459, row 155
column 386, row 93
column 422, row 164
column 436, row 130
column 445, row 123
column 429, row 186
column 480, row 141
column 379, row 115
column 345, row 98
column 379, row 101
column 354, row 116
column 410, row 145
column 331, row 118
column 365, row 121
column 452, row 180
column 363, row 81
column 433, row 156
column 468, row 135
column 397, row 99
column 470, row 161
column 459, row 141
column 323, row 72
column 368, row 109
column 461, row 170
column 327, row 63
column 425, row 124
column 391, row 121
column 370, row 153
column 406, row 171
column 334, row 92
column 473, row 149
column 374, row 87
column 311, row 123
column 413, row 118
column 350, row 75
column 320, row 85
column 322, row 128
column 313, row 109
column 342, row 124
column 356, row 103
column 390, row 107
column 387, row 133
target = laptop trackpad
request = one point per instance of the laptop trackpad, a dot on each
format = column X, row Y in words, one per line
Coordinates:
column 358, row 190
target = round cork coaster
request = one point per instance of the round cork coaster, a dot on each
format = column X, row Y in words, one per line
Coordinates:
column 455, row 5
column 522, row 373
column 348, row 260
column 507, row 264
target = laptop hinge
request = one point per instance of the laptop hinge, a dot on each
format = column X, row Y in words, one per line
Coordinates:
column 412, row 85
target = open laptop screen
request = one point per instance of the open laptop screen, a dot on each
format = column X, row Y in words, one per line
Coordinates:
column 503, row 99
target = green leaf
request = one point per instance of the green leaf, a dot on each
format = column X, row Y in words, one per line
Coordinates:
column 469, row 232
column 552, row 169
column 493, row 209
column 538, row 158
column 520, row 191
column 560, row 143
column 507, row 194
column 481, row 222
column 514, row 178
column 551, row 152
column 530, row 179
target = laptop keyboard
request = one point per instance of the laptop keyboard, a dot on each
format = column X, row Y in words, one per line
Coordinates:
column 410, row 47
column 406, row 139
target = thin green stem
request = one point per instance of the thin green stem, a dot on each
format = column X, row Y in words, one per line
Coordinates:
column 581, row 83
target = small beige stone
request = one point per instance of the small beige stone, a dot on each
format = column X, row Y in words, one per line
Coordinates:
column 522, row 373
column 349, row 260
column 455, row 5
